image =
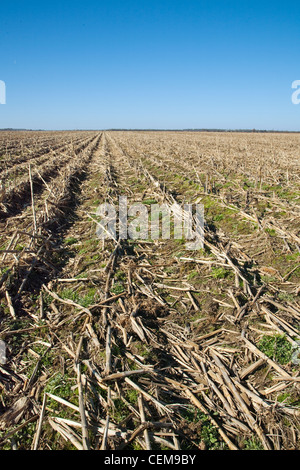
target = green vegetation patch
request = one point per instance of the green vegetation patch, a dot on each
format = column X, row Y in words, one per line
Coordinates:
column 208, row 433
column 83, row 299
column 276, row 347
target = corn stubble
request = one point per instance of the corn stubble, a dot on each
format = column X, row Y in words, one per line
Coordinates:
column 142, row 344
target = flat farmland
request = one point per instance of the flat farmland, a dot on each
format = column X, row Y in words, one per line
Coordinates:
column 142, row 343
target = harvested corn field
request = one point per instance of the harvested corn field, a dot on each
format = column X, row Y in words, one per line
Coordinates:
column 122, row 343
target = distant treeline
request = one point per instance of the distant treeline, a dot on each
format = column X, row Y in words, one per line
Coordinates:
column 204, row 130
column 158, row 130
column 21, row 130
column 11, row 129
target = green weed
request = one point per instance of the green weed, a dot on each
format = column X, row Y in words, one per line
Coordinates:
column 70, row 241
column 276, row 347
column 285, row 297
column 117, row 288
column 253, row 444
column 192, row 275
column 83, row 300
column 219, row 273
column 208, row 432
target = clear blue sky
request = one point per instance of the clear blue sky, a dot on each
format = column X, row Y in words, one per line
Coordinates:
column 149, row 64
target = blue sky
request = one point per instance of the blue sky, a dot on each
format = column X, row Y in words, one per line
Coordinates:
column 149, row 64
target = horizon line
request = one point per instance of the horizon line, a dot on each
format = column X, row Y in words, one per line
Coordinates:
column 247, row 130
